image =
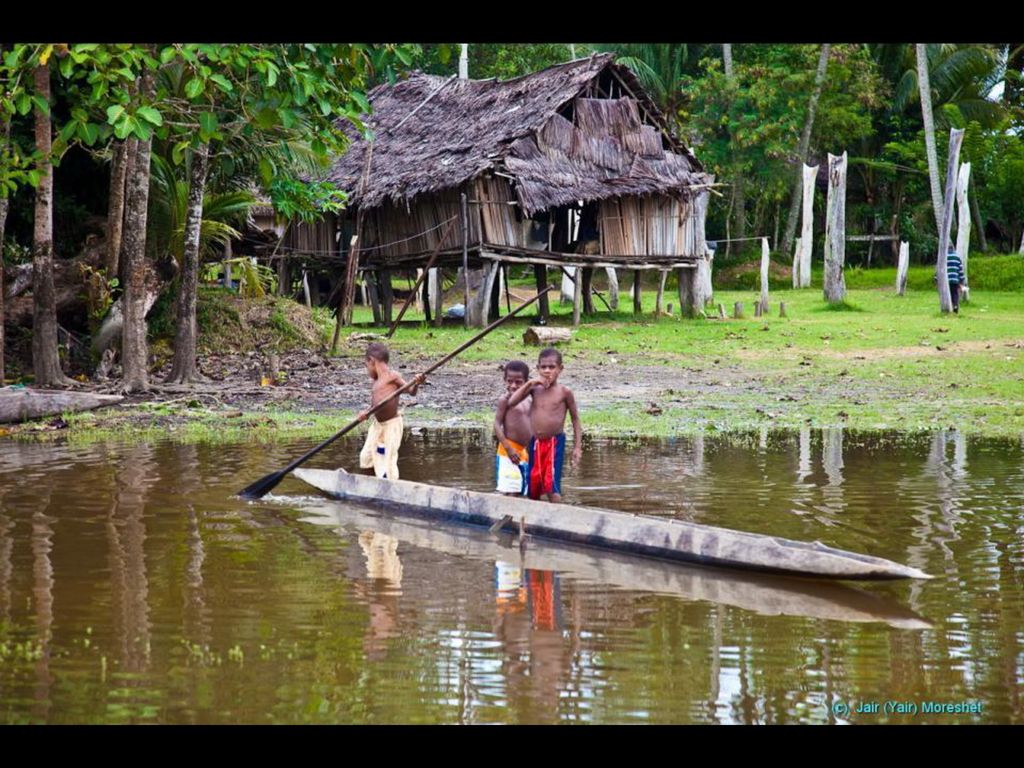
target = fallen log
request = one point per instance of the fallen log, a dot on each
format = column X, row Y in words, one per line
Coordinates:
column 18, row 405
column 537, row 335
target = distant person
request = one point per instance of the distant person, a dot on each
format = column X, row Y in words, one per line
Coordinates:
column 550, row 403
column 385, row 434
column 512, row 428
column 955, row 275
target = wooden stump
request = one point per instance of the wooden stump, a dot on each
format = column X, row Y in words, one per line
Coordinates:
column 757, row 309
column 902, row 267
column 782, row 309
column 721, row 311
column 835, row 230
column 545, row 335
column 737, row 310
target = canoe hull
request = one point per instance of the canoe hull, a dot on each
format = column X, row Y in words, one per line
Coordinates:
column 662, row 538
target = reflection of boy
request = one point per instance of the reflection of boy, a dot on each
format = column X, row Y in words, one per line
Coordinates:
column 550, row 403
column 512, row 428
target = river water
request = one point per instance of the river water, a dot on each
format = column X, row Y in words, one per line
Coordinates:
column 135, row 588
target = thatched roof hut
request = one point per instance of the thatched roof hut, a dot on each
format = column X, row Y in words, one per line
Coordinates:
column 584, row 130
column 571, row 165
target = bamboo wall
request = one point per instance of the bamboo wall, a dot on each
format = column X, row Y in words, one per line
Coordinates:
column 317, row 237
column 500, row 224
column 392, row 231
column 649, row 225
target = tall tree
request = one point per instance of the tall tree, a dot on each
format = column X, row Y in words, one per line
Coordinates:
column 184, row 369
column 115, row 207
column 929, row 133
column 805, row 143
column 134, row 349
column 5, row 130
column 45, row 355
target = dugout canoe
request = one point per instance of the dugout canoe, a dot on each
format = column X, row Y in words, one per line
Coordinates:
column 662, row 538
column 763, row 594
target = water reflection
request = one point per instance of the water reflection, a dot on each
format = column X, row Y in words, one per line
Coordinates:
column 369, row 616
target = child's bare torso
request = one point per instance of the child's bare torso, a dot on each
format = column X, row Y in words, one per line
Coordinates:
column 517, row 422
column 384, row 386
column 547, row 414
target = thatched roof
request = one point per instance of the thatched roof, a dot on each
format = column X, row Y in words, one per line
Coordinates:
column 433, row 133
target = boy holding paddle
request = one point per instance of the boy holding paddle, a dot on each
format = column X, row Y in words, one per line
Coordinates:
column 550, row 403
column 385, row 433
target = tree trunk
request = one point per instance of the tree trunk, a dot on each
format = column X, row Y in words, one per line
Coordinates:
column 586, row 286
column 134, row 350
column 924, row 86
column 902, row 267
column 660, row 295
column 809, row 173
column 703, row 288
column 184, row 369
column 727, row 59
column 963, row 228
column 131, row 150
column 835, row 230
column 115, row 208
column 613, row 288
column 45, row 357
column 805, row 144
column 765, row 262
column 956, row 137
column 5, row 128
column 434, row 279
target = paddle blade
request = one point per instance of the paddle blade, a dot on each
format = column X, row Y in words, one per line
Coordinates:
column 261, row 487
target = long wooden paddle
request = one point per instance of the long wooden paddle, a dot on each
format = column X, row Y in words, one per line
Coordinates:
column 266, row 484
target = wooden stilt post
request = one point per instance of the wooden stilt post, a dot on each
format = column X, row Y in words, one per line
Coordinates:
column 637, row 305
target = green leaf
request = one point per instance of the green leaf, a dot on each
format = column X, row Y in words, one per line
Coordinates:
column 266, row 171
column 142, row 130
column 318, row 147
column 325, row 107
column 194, row 87
column 271, row 73
column 114, row 113
column 150, row 115
column 23, row 103
column 90, row 133
column 178, row 152
column 266, row 118
column 361, row 100
column 223, row 82
column 42, row 104
column 126, row 73
column 288, row 118
column 66, row 65
column 207, row 125
column 123, row 127
column 167, row 54
column 33, row 177
column 403, row 56
column 69, row 130
column 86, row 47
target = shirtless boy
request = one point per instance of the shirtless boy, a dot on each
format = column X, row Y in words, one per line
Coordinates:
column 550, row 402
column 512, row 428
column 385, row 434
